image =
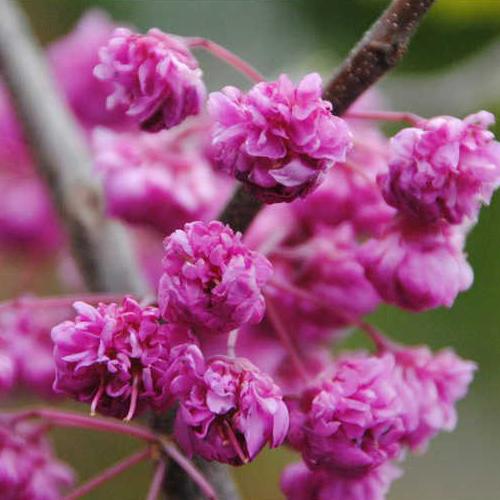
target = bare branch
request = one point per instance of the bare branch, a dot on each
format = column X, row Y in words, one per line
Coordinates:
column 380, row 50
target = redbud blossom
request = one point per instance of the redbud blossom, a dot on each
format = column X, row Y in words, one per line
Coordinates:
column 231, row 412
column 157, row 179
column 430, row 386
column 418, row 268
column 28, row 468
column 443, row 169
column 211, row 281
column 154, row 76
column 350, row 421
column 113, row 357
column 73, row 58
column 279, row 139
column 300, row 483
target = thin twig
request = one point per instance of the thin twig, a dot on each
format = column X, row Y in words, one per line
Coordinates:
column 380, row 50
column 157, row 481
column 108, row 474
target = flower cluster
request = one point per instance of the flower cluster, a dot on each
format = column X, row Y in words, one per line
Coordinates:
column 236, row 339
column 28, row 467
column 211, row 281
column 155, row 77
column 114, row 357
column 279, row 139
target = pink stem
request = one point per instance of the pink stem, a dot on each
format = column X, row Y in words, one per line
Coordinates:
column 285, row 338
column 75, row 420
column 97, row 398
column 157, row 482
column 232, row 339
column 133, row 399
column 227, row 56
column 189, row 468
column 381, row 342
column 108, row 474
column 65, row 300
column 387, row 116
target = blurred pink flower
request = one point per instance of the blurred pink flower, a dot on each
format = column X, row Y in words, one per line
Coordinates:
column 300, row 483
column 418, row 268
column 28, row 468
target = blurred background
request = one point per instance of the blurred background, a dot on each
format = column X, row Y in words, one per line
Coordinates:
column 453, row 67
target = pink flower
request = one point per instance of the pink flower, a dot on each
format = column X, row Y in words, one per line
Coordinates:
column 7, row 370
column 319, row 284
column 231, row 413
column 25, row 344
column 73, row 59
column 418, row 268
column 154, row 76
column 113, row 356
column 430, row 386
column 157, row 179
column 28, row 468
column 349, row 191
column 27, row 217
column 279, row 139
column 300, row 483
column 349, row 422
column 443, row 169
column 211, row 280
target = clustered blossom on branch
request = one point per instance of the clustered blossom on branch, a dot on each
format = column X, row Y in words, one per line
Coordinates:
column 238, row 339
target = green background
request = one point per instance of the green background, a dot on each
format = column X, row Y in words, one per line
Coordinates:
column 299, row 36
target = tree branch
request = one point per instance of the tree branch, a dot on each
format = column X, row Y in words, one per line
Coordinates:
column 380, row 50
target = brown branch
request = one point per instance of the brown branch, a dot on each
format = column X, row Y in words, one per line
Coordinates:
column 380, row 50
column 101, row 247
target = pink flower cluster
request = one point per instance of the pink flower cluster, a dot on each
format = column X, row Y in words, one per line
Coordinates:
column 161, row 180
column 279, row 139
column 351, row 425
column 444, row 169
column 114, row 357
column 28, row 467
column 211, row 281
column 155, row 77
column 230, row 412
column 25, row 329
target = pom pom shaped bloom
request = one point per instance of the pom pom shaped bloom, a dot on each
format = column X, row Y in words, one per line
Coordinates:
column 418, row 269
column 28, row 468
column 350, row 421
column 154, row 76
column 211, row 280
column 300, row 483
column 443, row 169
column 25, row 343
column 231, row 413
column 320, row 285
column 156, row 179
column 279, row 139
column 113, row 356
column 73, row 58
column 431, row 384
